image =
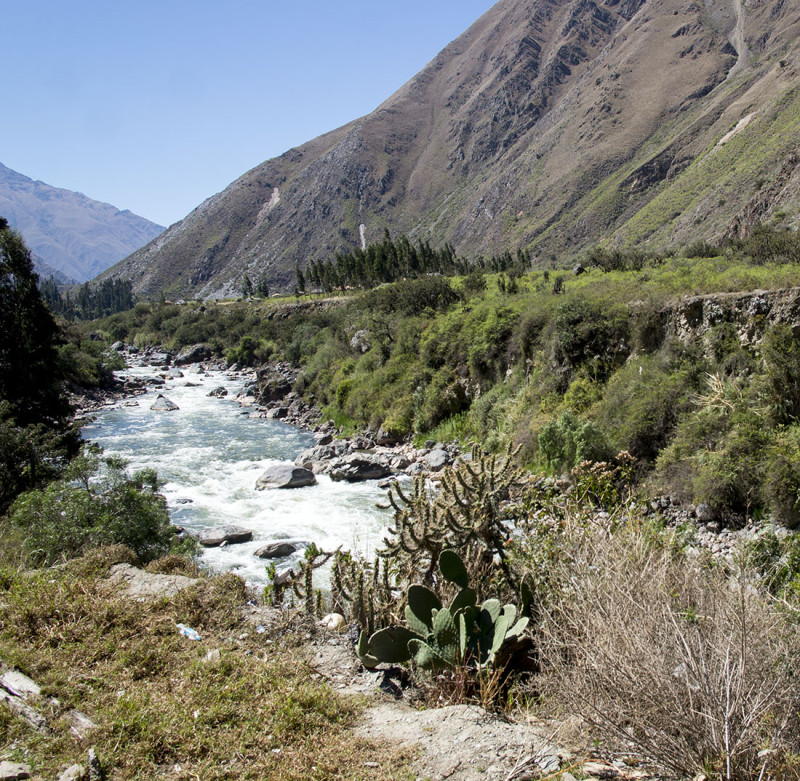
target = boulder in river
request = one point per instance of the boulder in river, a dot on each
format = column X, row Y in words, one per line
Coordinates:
column 277, row 550
column 229, row 534
column 163, row 404
column 318, row 458
column 197, row 353
column 356, row 467
column 437, row 460
column 285, row 476
column 219, row 392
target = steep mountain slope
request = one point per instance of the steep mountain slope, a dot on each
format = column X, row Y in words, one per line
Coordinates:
column 549, row 124
column 70, row 235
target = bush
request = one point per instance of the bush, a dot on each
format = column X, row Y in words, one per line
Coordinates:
column 94, row 504
column 694, row 669
column 590, row 333
column 568, row 441
column 641, row 406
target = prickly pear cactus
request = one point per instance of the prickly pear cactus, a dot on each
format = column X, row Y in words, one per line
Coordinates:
column 440, row 638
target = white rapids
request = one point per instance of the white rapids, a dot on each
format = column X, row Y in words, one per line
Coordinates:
column 209, row 454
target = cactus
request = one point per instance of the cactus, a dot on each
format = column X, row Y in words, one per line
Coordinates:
column 303, row 581
column 440, row 638
column 465, row 517
column 361, row 591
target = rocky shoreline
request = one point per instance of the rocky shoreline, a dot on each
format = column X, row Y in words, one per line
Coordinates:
column 268, row 392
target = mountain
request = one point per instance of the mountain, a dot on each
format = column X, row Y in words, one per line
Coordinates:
column 70, row 236
column 549, row 124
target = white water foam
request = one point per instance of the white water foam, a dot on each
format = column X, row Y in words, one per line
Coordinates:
column 209, row 454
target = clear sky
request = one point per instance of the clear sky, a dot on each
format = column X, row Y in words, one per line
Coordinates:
column 154, row 105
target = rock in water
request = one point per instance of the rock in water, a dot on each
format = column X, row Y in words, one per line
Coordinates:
column 437, row 460
column 195, row 354
column 357, row 467
column 211, row 538
column 285, row 476
column 163, row 404
column 276, row 550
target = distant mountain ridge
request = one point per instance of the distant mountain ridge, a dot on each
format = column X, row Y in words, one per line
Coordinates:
column 70, row 236
column 550, row 125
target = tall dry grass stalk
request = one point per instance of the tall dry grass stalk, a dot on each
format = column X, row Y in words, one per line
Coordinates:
column 693, row 665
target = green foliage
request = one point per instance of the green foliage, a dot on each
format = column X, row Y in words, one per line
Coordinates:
column 461, row 636
column 29, row 378
column 36, row 436
column 781, row 356
column 568, row 441
column 590, row 333
column 641, row 405
column 88, row 302
column 94, row 504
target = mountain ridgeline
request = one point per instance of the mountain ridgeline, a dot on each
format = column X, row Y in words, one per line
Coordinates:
column 549, row 126
column 72, row 238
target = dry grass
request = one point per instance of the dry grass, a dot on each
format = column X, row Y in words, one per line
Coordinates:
column 688, row 662
column 253, row 711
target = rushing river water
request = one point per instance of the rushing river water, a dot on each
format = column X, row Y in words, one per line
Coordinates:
column 209, row 454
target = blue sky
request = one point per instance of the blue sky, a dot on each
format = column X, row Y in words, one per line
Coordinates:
column 154, row 106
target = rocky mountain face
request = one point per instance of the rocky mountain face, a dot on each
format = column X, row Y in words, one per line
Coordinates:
column 549, row 124
column 70, row 236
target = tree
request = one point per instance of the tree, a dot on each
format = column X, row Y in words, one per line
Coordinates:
column 36, row 435
column 29, row 378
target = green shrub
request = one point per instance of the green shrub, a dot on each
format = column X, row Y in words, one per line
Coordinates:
column 568, row 441
column 589, row 333
column 641, row 406
column 445, row 396
column 94, row 504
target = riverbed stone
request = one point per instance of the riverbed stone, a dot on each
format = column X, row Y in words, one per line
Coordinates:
column 277, row 550
column 163, row 404
column 437, row 460
column 11, row 771
column 197, row 353
column 319, row 458
column 228, row 534
column 357, row 467
column 285, row 476
column 218, row 392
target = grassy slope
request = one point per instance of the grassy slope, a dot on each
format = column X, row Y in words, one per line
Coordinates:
column 254, row 712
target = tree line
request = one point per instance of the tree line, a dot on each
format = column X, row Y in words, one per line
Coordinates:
column 392, row 260
column 87, row 302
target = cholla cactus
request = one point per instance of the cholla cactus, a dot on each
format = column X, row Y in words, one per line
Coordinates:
column 303, row 581
column 361, row 591
column 465, row 516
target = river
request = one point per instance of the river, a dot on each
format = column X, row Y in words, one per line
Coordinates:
column 209, row 454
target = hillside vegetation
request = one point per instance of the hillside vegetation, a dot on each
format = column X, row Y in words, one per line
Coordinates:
column 566, row 367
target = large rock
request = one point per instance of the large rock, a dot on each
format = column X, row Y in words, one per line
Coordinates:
column 159, row 359
column 142, row 586
column 219, row 392
column 277, row 550
column 272, row 385
column 197, row 353
column 357, row 467
column 285, row 476
column 437, row 460
column 319, row 458
column 163, row 404
column 230, row 535
column 12, row 771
